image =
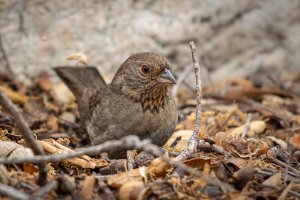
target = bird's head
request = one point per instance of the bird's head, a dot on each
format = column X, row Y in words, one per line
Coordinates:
column 146, row 78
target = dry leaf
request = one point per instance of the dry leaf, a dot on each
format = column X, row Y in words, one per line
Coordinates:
column 116, row 181
column 295, row 141
column 274, row 180
column 80, row 57
column 280, row 142
column 14, row 96
column 219, row 138
column 29, row 168
column 44, row 81
column 244, row 148
column 87, row 188
column 198, row 162
column 131, row 190
column 239, row 162
column 178, row 141
column 256, row 127
column 52, row 123
column 159, row 168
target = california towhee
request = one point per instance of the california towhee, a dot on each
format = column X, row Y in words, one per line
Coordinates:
column 138, row 100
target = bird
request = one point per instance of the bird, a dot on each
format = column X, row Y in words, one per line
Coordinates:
column 138, row 101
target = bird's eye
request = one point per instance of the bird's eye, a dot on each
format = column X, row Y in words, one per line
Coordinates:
column 145, row 69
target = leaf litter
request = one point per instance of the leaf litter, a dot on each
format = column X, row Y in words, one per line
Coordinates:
column 262, row 164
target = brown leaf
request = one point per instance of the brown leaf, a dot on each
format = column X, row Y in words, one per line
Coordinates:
column 87, row 188
column 131, row 190
column 29, row 168
column 52, row 123
column 274, row 180
column 44, row 81
column 178, row 141
column 256, row 127
column 116, row 181
column 244, row 148
column 295, row 141
column 159, row 168
column 14, row 96
column 198, row 162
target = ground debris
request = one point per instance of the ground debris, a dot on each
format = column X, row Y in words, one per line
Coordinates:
column 263, row 163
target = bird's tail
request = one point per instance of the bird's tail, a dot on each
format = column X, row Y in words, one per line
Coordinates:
column 78, row 79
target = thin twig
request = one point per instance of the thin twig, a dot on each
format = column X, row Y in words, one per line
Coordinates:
column 194, row 140
column 287, row 169
column 247, row 125
column 41, row 192
column 5, row 59
column 285, row 191
column 105, row 189
column 129, row 142
column 27, row 134
column 181, row 78
column 6, row 190
column 274, row 160
column 296, row 194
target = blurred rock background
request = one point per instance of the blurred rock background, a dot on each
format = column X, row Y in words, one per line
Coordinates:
column 249, row 38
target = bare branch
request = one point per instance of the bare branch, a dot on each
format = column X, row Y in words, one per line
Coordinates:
column 130, row 142
column 27, row 134
column 6, row 190
column 194, row 140
column 41, row 192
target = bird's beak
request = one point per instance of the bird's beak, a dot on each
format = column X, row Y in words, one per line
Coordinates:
column 166, row 77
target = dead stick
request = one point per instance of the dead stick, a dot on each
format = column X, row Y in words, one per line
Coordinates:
column 43, row 191
column 274, row 160
column 194, row 140
column 27, row 134
column 247, row 125
column 8, row 191
column 128, row 142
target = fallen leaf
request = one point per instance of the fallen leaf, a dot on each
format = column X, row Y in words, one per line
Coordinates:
column 131, row 190
column 274, row 180
column 87, row 188
column 178, row 141
column 116, row 181
column 159, row 168
column 44, row 81
column 244, row 148
column 29, row 168
column 295, row 141
column 280, row 142
column 14, row 96
column 256, row 127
